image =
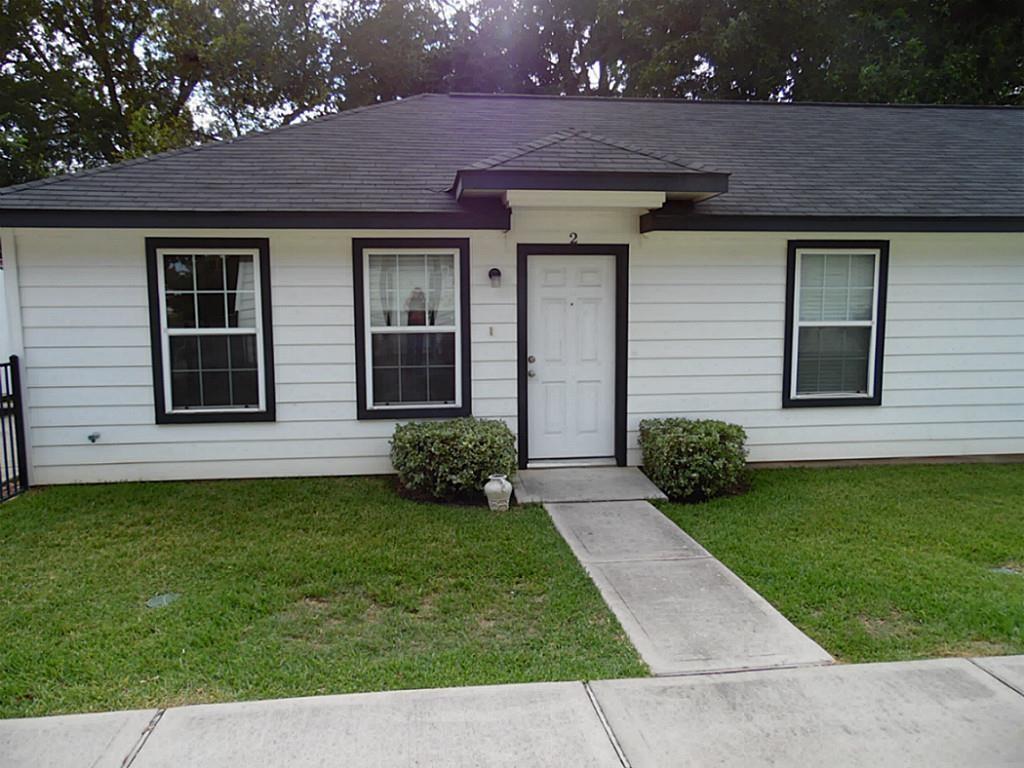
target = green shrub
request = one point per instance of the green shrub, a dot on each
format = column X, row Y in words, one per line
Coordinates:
column 694, row 460
column 447, row 459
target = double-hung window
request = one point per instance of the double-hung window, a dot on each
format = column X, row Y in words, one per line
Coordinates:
column 412, row 323
column 211, row 329
column 835, row 323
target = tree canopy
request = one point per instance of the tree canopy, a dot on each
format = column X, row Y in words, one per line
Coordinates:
column 87, row 82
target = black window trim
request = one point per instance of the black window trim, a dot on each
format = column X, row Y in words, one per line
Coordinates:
column 788, row 401
column 363, row 411
column 163, row 414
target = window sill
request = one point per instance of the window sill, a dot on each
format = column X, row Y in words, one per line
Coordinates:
column 829, row 402
column 214, row 417
column 448, row 412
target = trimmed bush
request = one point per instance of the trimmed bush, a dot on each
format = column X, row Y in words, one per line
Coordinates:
column 448, row 459
column 694, row 460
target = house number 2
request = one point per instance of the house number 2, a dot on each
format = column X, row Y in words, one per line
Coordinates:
column 573, row 237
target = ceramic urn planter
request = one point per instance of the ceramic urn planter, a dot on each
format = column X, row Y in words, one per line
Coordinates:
column 498, row 491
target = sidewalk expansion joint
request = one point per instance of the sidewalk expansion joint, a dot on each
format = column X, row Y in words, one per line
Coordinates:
column 606, row 725
column 737, row 670
column 992, row 674
column 645, row 559
column 134, row 752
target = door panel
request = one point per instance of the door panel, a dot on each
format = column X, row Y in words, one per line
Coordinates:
column 571, row 338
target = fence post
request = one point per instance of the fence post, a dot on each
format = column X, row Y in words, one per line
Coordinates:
column 19, row 424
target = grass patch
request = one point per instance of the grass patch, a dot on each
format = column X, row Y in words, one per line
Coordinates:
column 288, row 588
column 880, row 563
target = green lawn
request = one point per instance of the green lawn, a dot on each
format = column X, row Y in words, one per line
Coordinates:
column 288, row 588
column 881, row 563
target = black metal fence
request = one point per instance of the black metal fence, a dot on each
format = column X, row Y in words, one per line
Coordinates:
column 13, row 464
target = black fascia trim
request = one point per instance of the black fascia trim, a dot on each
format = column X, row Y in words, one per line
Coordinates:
column 262, row 245
column 882, row 246
column 621, row 254
column 477, row 215
column 675, row 220
column 626, row 181
column 363, row 412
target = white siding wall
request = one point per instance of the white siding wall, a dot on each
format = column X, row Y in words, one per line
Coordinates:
column 706, row 333
column 86, row 338
column 705, row 340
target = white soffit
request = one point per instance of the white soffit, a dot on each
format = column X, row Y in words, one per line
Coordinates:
column 569, row 198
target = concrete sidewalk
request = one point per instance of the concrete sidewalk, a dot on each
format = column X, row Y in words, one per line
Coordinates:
column 683, row 610
column 947, row 712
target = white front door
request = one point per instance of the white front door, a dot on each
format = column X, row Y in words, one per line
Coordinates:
column 571, row 356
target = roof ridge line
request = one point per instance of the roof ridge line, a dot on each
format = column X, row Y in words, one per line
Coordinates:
column 71, row 175
column 664, row 157
column 526, row 148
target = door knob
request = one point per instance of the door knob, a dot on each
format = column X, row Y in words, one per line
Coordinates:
column 531, row 373
column 531, row 359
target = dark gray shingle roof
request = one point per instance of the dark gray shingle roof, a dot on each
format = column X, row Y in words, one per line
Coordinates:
column 800, row 159
column 579, row 150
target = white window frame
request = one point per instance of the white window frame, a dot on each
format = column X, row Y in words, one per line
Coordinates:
column 369, row 330
column 167, row 332
column 798, row 324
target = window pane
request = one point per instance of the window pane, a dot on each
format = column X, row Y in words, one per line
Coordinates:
column 209, row 272
column 241, row 310
column 833, row 361
column 385, row 349
column 243, row 351
column 811, row 303
column 210, row 290
column 184, row 353
column 382, row 274
column 411, row 289
column 862, row 270
column 441, row 290
column 245, row 388
column 836, row 286
column 410, row 368
column 412, row 297
column 414, row 385
column 837, row 270
column 178, row 273
column 413, row 348
column 181, row 310
column 216, row 389
column 211, row 310
column 812, row 270
column 834, row 304
column 860, row 304
column 385, row 386
column 241, row 274
column 442, row 348
column 442, row 384
column 214, row 352
column 214, row 371
column 185, row 390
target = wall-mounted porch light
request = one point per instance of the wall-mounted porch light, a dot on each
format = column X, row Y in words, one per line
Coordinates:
column 495, row 275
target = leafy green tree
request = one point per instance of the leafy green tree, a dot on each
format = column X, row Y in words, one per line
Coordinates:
column 85, row 82
column 385, row 49
column 929, row 51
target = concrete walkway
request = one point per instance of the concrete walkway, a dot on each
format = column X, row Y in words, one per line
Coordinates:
column 683, row 610
column 947, row 712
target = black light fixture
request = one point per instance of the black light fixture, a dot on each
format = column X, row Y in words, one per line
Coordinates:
column 495, row 275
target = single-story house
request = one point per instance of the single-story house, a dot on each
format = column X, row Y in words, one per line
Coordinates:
column 845, row 281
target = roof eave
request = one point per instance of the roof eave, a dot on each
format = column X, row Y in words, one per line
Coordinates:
column 474, row 182
column 475, row 214
column 672, row 219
